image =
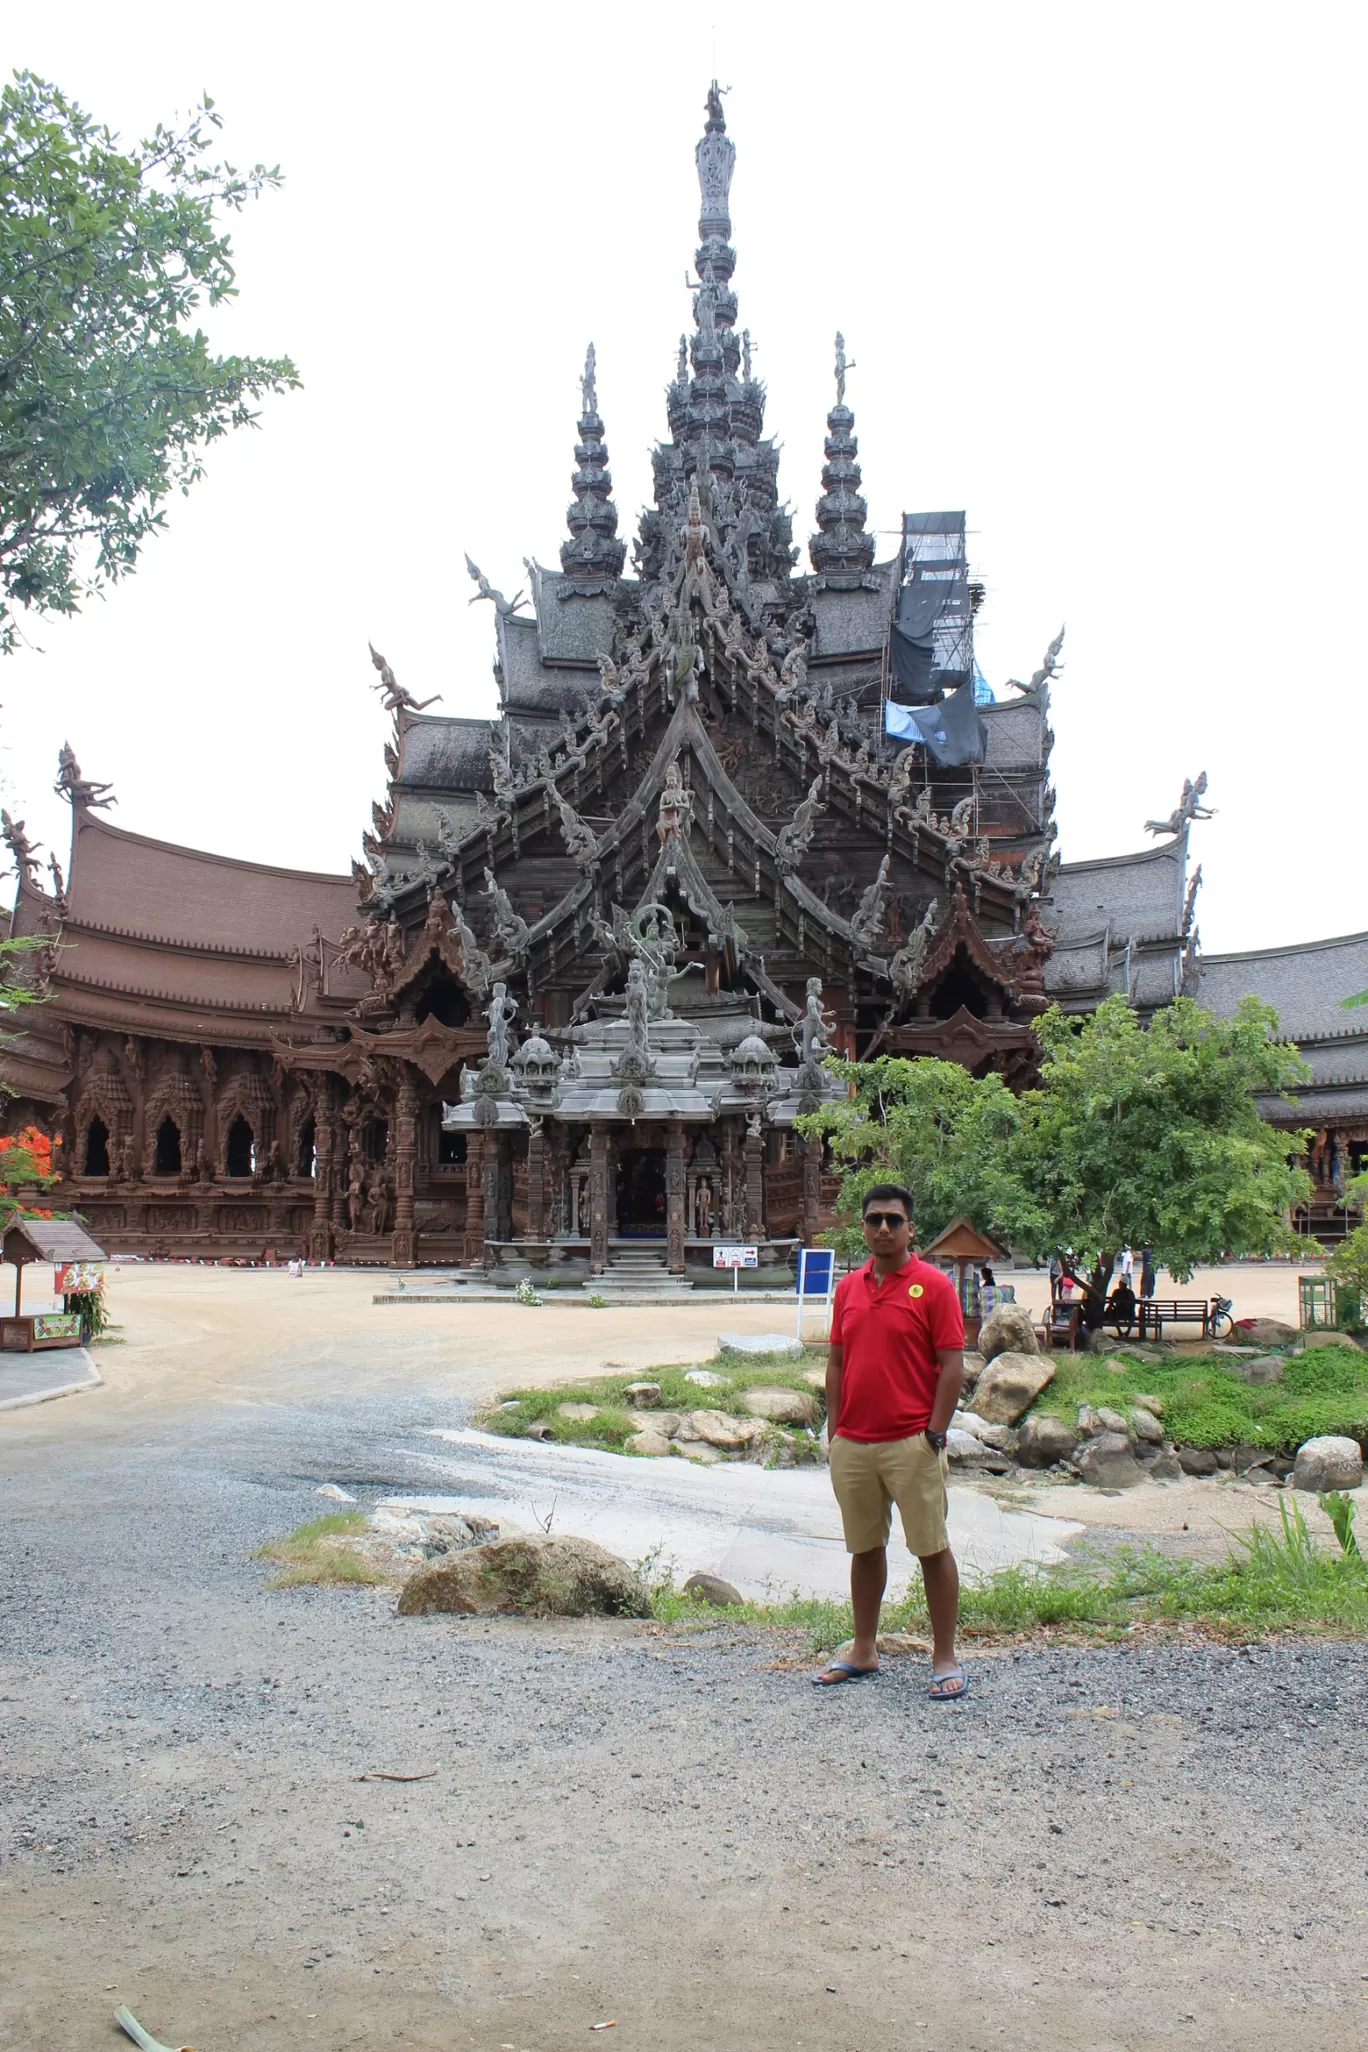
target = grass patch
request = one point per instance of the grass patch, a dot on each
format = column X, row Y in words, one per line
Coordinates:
column 1206, row 1403
column 612, row 1427
column 316, row 1553
column 1271, row 1582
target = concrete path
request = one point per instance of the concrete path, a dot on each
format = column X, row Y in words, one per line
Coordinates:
column 36, row 1378
column 771, row 1532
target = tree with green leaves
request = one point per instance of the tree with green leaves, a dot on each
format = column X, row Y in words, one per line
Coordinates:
column 108, row 393
column 1135, row 1135
column 1348, row 1265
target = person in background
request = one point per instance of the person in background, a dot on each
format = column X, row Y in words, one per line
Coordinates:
column 988, row 1291
column 1146, row 1273
column 1056, row 1277
column 1127, row 1265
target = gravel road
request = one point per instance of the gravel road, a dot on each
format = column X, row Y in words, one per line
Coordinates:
column 1101, row 1849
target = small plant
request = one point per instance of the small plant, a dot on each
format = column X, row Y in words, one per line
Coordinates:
column 525, row 1293
column 90, row 1307
column 1339, row 1508
column 316, row 1553
column 596, row 1301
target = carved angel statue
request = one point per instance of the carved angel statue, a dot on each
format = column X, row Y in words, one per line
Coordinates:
column 588, row 386
column 900, row 779
column 794, row 840
column 504, row 607
column 1029, row 874
column 676, row 804
column 959, row 818
column 580, row 840
column 501, row 1012
column 793, row 671
column 393, row 692
column 23, row 852
column 59, row 885
column 638, row 1010
column 475, row 963
column 511, row 930
column 611, row 683
column 448, row 835
column 682, row 367
column 867, row 920
column 1189, row 808
column 71, row 784
column 841, row 368
column 1189, row 902
column 499, row 770
column 1051, row 667
column 812, row 1034
column 905, row 967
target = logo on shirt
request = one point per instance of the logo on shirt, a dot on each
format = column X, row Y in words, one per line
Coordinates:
column 915, row 1290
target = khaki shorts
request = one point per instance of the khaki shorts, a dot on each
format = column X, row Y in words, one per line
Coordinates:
column 870, row 1476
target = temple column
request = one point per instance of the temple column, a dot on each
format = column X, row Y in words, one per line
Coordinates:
column 598, row 1200
column 536, row 1183
column 405, row 1156
column 496, row 1227
column 755, row 1179
column 325, row 1172
column 474, row 1250
column 674, row 1199
column 812, row 1190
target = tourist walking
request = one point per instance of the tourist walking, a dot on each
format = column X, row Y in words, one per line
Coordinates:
column 894, row 1370
column 1146, row 1273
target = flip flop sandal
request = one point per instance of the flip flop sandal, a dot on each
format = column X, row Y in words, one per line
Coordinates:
column 844, row 1672
column 940, row 1694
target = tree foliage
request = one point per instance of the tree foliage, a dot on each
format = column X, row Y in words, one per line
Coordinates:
column 1135, row 1136
column 108, row 395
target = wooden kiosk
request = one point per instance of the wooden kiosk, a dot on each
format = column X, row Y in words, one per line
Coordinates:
column 964, row 1248
column 58, row 1240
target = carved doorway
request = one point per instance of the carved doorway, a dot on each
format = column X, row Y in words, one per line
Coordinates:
column 641, row 1193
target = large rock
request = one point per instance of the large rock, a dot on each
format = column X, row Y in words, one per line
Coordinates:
column 963, row 1446
column 1010, row 1384
column 761, row 1343
column 666, row 1423
column 1328, row 1463
column 1266, row 1332
column 1310, row 1340
column 712, row 1589
column 578, row 1414
column 1112, row 1421
column 648, row 1442
column 815, row 1378
column 1008, row 1329
column 705, row 1378
column 781, row 1406
column 1107, row 1462
column 642, row 1396
column 695, row 1450
column 1144, row 1425
column 720, row 1429
column 1165, row 1468
column 1260, row 1368
column 1197, row 1460
column 974, row 1365
column 540, row 1575
column 1002, row 1438
column 1041, row 1441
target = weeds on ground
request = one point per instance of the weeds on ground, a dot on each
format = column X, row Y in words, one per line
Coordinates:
column 612, row 1427
column 1206, row 1403
column 1270, row 1582
column 316, row 1553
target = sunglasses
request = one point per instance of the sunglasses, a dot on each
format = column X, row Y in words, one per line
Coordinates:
column 891, row 1219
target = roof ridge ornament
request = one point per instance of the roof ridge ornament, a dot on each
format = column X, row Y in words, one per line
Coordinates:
column 1188, row 808
column 593, row 556
column 78, row 790
column 842, row 551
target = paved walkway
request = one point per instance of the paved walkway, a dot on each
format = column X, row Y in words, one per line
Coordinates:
column 34, row 1378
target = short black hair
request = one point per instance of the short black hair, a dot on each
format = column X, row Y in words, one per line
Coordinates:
column 882, row 1192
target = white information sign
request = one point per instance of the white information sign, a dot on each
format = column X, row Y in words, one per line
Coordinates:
column 736, row 1258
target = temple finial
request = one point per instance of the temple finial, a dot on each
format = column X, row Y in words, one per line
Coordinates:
column 592, row 559
column 841, row 550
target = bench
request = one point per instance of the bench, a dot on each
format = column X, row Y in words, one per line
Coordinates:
column 1152, row 1314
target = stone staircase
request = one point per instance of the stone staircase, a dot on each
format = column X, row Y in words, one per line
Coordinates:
column 637, row 1272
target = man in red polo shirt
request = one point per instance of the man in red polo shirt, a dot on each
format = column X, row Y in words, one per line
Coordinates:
column 894, row 1371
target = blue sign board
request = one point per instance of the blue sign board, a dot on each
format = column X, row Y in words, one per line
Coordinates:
column 816, row 1267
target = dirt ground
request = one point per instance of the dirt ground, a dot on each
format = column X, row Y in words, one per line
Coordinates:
column 1104, row 1849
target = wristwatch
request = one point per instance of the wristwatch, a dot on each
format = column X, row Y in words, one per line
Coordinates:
column 935, row 1440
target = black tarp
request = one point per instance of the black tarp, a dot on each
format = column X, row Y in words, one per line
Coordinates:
column 954, row 730
column 913, row 651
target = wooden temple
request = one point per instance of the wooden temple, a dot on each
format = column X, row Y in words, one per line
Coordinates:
column 732, row 815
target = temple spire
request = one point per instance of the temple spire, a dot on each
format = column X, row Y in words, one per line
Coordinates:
column 841, row 550
column 592, row 558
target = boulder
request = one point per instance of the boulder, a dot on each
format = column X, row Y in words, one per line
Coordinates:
column 1106, row 1462
column 1144, row 1425
column 720, row 1429
column 781, row 1406
column 1328, row 1462
column 704, row 1378
column 761, row 1343
column 642, row 1396
column 815, row 1378
column 647, row 1442
column 963, row 1446
column 1325, row 1339
column 1042, row 1441
column 666, row 1423
column 1010, row 1384
column 1165, row 1467
column 1197, row 1460
column 1008, row 1329
column 578, row 1414
column 1088, row 1421
column 974, row 1365
column 1002, row 1438
column 1260, row 1368
column 1266, row 1332
column 712, row 1589
column 695, row 1450
column 1112, row 1421
column 1153, row 1404
column 540, row 1575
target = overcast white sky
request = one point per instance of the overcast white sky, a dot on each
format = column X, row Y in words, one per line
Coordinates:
column 1099, row 267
